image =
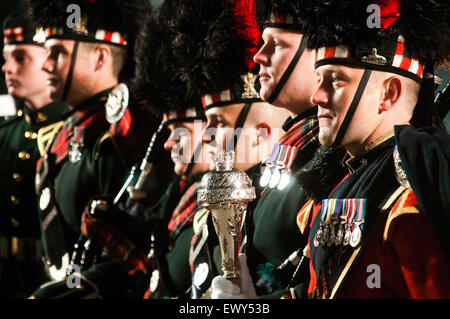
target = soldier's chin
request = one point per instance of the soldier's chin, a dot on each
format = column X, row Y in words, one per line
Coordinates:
column 265, row 91
column 326, row 139
column 179, row 167
column 15, row 92
column 54, row 93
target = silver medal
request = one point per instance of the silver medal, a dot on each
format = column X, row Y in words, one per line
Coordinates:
column 332, row 237
column 341, row 231
column 325, row 235
column 284, row 180
column 347, row 235
column 75, row 153
column 355, row 238
column 318, row 237
column 275, row 178
column 265, row 177
column 339, row 235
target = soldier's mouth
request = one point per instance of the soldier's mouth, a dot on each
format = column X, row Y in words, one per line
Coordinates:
column 12, row 83
column 52, row 82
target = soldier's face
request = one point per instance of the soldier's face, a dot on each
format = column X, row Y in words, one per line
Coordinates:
column 220, row 132
column 57, row 66
column 23, row 75
column 184, row 138
column 336, row 88
column 274, row 57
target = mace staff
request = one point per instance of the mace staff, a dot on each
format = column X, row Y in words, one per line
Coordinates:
column 226, row 191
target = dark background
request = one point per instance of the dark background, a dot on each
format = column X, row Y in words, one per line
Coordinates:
column 18, row 6
column 8, row 7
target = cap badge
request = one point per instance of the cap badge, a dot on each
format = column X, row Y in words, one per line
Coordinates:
column 249, row 86
column 80, row 27
column 39, row 35
column 374, row 58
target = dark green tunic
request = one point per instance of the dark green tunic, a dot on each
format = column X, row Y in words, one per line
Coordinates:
column 99, row 171
column 174, row 252
column 21, row 269
column 273, row 231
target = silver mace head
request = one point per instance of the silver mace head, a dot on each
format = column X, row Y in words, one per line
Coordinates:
column 225, row 184
column 226, row 192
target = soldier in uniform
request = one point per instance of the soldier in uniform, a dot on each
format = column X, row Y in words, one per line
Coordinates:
column 380, row 233
column 90, row 52
column 183, row 239
column 21, row 269
column 152, row 243
column 286, row 70
column 170, row 222
column 224, row 74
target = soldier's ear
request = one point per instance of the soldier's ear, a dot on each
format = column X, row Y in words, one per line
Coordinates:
column 102, row 56
column 392, row 90
column 263, row 132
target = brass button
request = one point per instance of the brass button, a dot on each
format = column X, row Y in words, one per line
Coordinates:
column 15, row 243
column 30, row 135
column 41, row 117
column 15, row 200
column 19, row 112
column 15, row 222
column 17, row 177
column 24, row 155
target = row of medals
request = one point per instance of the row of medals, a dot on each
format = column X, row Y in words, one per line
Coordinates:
column 338, row 232
column 275, row 175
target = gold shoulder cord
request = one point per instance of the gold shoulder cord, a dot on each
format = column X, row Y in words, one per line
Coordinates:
column 46, row 135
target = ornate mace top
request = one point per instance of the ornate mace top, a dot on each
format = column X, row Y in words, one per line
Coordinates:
column 225, row 184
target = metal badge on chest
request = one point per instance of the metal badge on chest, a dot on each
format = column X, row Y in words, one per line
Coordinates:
column 76, row 145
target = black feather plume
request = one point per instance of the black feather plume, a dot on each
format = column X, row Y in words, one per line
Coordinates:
column 424, row 24
column 157, row 80
column 211, row 52
column 126, row 17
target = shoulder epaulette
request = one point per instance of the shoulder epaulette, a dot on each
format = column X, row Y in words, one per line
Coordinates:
column 47, row 134
column 406, row 203
column 199, row 219
column 303, row 215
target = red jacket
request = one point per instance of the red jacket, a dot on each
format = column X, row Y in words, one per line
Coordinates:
column 412, row 262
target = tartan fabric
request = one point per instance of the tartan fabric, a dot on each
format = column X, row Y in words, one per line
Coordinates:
column 129, row 136
column 122, row 251
column 92, row 119
column 303, row 133
column 184, row 212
